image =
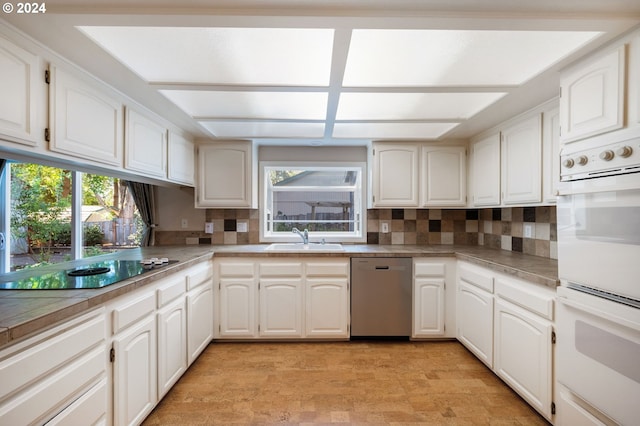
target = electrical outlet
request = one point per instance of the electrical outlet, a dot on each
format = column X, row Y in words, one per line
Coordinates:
column 208, row 227
column 384, row 227
column 527, row 230
column 184, row 223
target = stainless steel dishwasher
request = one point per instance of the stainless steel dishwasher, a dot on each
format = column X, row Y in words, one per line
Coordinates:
column 381, row 296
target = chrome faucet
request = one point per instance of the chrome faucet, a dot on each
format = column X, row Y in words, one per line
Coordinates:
column 304, row 235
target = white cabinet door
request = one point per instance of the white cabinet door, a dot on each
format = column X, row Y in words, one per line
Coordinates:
column 395, row 175
column 428, row 307
column 485, row 163
column 181, row 160
column 281, row 307
column 18, row 88
column 172, row 343
column 90, row 409
column 475, row 321
column 550, row 154
column 85, row 122
column 327, row 307
column 226, row 175
column 135, row 372
column 443, row 175
column 238, row 307
column 146, row 145
column 522, row 162
column 592, row 97
column 523, row 354
column 199, row 320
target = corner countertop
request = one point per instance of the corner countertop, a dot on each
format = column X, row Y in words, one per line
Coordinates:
column 25, row 312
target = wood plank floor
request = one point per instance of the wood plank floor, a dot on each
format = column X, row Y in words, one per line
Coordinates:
column 361, row 382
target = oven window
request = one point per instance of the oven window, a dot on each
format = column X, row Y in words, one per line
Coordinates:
column 613, row 351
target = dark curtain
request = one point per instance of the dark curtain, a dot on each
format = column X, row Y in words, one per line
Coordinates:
column 145, row 201
column 3, row 162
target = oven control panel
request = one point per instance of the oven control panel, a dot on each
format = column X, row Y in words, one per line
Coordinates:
column 613, row 159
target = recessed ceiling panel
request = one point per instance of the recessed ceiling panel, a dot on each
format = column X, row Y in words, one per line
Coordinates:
column 408, row 106
column 263, row 129
column 279, row 105
column 266, row 56
column 391, row 130
column 398, row 57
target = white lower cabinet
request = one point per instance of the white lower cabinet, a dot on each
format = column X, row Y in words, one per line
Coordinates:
column 327, row 307
column 135, row 391
column 89, row 409
column 172, row 341
column 280, row 307
column 475, row 311
column 276, row 299
column 433, row 306
column 42, row 376
column 508, row 324
column 200, row 321
column 523, row 340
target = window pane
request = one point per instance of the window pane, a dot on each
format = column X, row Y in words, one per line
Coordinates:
column 324, row 200
column 40, row 220
column 315, row 211
column 110, row 219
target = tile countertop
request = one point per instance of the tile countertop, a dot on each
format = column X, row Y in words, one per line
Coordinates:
column 24, row 312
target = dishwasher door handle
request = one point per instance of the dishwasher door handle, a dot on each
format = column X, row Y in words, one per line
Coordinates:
column 382, row 267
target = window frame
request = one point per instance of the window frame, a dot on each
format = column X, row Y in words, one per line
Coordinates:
column 360, row 206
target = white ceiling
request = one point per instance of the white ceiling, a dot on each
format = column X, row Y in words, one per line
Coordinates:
column 342, row 72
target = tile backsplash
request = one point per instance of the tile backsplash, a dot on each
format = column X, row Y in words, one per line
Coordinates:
column 530, row 230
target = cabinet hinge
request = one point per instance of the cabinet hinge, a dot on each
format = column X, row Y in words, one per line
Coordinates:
column 374, row 198
column 553, row 337
column 219, row 328
column 47, row 77
column 258, row 328
column 112, row 355
column 553, row 408
column 258, row 286
column 47, row 135
column 219, row 286
column 374, row 151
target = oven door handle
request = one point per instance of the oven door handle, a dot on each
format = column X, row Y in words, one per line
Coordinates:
column 607, row 314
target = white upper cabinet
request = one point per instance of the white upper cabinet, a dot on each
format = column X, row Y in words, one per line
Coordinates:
column 85, row 122
column 227, row 175
column 146, row 145
column 18, row 69
column 395, row 175
column 181, row 160
column 550, row 154
column 521, row 146
column 592, row 97
column 443, row 176
column 486, row 171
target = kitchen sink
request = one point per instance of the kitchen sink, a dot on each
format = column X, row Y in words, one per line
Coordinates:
column 304, row 247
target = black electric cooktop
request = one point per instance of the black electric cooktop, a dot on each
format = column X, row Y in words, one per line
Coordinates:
column 95, row 275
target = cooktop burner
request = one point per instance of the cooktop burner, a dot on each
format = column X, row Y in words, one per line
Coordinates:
column 95, row 275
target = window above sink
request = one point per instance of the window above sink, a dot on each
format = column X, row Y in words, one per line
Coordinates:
column 327, row 200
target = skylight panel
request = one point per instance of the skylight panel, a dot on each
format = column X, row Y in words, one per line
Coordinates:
column 405, row 58
column 251, row 56
column 391, row 130
column 263, row 129
column 263, row 105
column 416, row 106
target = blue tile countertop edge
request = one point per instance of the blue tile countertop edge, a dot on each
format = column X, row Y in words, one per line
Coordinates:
column 26, row 312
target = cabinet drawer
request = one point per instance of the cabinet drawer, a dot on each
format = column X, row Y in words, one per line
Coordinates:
column 21, row 369
column 327, row 269
column 476, row 276
column 49, row 396
column 281, row 269
column 171, row 290
column 198, row 275
column 529, row 296
column 424, row 269
column 89, row 409
column 127, row 314
column 237, row 269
